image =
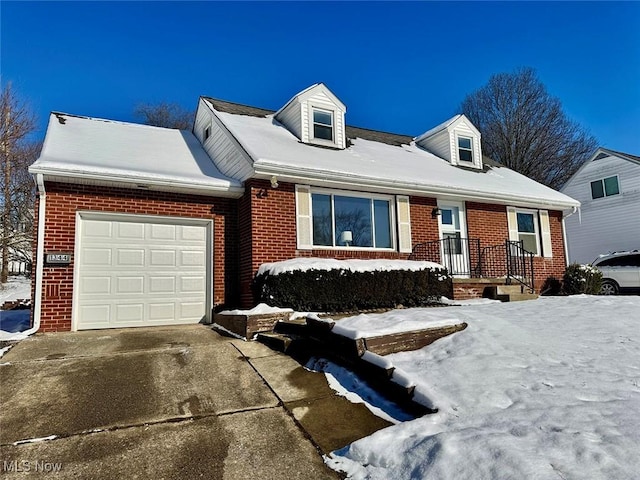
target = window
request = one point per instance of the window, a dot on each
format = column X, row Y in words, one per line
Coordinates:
column 605, row 187
column 528, row 231
column 207, row 133
column 340, row 220
column 323, row 125
column 465, row 149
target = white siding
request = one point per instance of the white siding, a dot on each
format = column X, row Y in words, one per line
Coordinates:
column 438, row 144
column 610, row 223
column 464, row 130
column 291, row 118
column 221, row 147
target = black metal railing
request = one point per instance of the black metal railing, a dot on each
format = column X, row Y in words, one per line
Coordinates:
column 457, row 254
column 465, row 257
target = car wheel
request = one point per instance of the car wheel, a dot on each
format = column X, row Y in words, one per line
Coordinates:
column 609, row 287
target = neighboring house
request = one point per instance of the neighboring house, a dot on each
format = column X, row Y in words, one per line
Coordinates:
column 160, row 226
column 608, row 187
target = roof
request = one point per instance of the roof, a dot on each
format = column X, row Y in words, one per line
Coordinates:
column 438, row 128
column 106, row 152
column 619, row 154
column 352, row 132
column 375, row 161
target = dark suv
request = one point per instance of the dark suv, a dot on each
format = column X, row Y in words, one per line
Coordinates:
column 620, row 272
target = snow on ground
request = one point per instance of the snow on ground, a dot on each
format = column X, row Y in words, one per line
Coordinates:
column 18, row 287
column 370, row 325
column 311, row 263
column 14, row 321
column 260, row 309
column 545, row 389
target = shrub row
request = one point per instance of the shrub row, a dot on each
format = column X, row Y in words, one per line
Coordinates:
column 343, row 290
column 577, row 279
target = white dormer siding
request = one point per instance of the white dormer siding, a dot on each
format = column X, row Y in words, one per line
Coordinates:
column 298, row 117
column 454, row 140
column 217, row 141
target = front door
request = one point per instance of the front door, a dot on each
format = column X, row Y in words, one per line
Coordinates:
column 453, row 233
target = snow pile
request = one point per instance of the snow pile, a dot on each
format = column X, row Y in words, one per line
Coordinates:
column 539, row 389
column 12, row 322
column 310, row 263
column 260, row 309
column 396, row 321
column 17, row 288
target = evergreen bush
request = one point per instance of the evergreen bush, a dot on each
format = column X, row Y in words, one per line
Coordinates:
column 343, row 290
column 579, row 279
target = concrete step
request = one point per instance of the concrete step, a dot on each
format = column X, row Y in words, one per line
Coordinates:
column 508, row 289
column 297, row 326
column 276, row 341
column 517, row 297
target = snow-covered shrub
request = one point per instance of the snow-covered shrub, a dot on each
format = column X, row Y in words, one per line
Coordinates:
column 551, row 286
column 342, row 290
column 581, row 279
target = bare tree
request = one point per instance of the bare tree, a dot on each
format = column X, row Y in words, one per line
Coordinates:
column 16, row 198
column 524, row 128
column 168, row 115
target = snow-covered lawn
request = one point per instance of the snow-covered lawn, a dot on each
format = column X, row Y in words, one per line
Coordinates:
column 545, row 389
column 12, row 321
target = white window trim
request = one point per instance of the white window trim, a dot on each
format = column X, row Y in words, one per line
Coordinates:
column 536, row 228
column 372, row 196
column 458, row 148
column 322, row 141
column 605, row 196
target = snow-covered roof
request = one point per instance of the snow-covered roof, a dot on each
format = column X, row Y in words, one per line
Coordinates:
column 379, row 166
column 438, row 128
column 106, row 151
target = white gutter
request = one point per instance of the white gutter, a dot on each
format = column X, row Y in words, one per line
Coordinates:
column 564, row 236
column 298, row 175
column 37, row 301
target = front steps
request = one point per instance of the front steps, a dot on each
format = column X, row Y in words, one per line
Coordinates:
column 508, row 293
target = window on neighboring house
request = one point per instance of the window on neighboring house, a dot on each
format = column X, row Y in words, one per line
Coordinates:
column 351, row 221
column 323, row 124
column 528, row 231
column 465, row 149
column 207, row 133
column 605, row 187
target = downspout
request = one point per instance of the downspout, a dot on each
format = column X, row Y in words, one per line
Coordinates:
column 37, row 305
column 564, row 236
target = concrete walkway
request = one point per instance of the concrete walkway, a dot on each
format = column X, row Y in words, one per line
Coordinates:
column 171, row 403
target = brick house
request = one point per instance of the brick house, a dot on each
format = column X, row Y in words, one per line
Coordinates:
column 141, row 225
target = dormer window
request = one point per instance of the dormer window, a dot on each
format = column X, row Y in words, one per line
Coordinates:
column 465, row 149
column 323, row 124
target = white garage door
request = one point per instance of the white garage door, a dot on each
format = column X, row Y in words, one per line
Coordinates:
column 141, row 271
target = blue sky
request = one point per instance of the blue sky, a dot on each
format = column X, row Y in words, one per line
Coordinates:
column 399, row 67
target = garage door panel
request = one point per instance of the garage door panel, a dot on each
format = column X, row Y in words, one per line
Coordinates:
column 141, row 273
column 95, row 286
column 162, row 258
column 129, row 285
column 162, row 284
column 97, row 229
column 96, row 256
column 130, row 230
column 129, row 257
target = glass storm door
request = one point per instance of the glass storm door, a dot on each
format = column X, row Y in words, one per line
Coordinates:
column 453, row 235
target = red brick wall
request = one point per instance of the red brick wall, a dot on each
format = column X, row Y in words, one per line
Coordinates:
column 64, row 200
column 270, row 234
column 489, row 224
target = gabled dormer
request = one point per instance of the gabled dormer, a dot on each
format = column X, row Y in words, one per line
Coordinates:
column 315, row 116
column 455, row 140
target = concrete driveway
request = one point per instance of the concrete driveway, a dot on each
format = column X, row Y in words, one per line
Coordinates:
column 167, row 403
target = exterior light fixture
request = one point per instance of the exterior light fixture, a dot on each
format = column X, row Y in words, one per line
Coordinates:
column 436, row 212
column 274, row 182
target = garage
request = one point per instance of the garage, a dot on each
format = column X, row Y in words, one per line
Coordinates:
column 141, row 270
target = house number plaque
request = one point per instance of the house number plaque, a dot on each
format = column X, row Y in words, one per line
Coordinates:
column 55, row 259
